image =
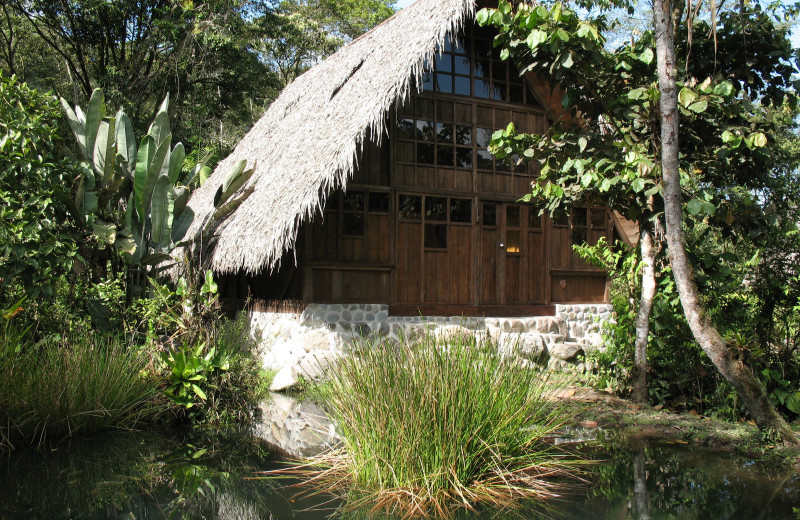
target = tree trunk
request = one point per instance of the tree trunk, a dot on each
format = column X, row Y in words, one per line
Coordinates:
column 648, row 251
column 710, row 340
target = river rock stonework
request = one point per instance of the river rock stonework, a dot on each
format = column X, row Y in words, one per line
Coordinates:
column 302, row 344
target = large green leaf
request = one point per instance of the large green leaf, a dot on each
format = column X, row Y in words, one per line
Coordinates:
column 161, row 212
column 159, row 128
column 143, row 158
column 95, row 113
column 181, row 225
column 105, row 151
column 126, row 142
column 77, row 126
column 176, row 162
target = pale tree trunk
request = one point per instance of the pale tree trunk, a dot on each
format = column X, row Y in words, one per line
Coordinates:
column 648, row 251
column 710, row 340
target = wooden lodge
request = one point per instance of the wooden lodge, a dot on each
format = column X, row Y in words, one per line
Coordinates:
column 423, row 218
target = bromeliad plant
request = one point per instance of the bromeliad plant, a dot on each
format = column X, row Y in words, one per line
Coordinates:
column 189, row 372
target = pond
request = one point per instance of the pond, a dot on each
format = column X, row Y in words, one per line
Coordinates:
column 210, row 475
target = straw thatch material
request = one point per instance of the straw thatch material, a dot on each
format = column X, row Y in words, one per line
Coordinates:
column 305, row 144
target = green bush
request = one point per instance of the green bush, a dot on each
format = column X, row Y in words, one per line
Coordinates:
column 431, row 421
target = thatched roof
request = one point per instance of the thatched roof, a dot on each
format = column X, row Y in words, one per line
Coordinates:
column 306, row 143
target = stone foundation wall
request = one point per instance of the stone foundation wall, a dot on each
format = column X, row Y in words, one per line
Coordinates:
column 300, row 344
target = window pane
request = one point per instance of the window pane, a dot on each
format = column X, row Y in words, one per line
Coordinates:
column 425, row 130
column 379, row 202
column 499, row 91
column 460, row 210
column 462, row 86
column 515, row 93
column 435, row 208
column 461, row 65
column 444, row 132
column 464, row 157
column 424, row 153
column 436, row 236
column 353, row 224
column 444, row 62
column 354, row 201
column 482, row 138
column 405, row 128
column 560, row 218
column 534, row 219
column 444, row 155
column 503, row 165
column 448, row 45
column 444, row 83
column 598, row 218
column 489, row 214
column 579, row 236
column 512, row 241
column 481, row 68
column 499, row 71
column 464, row 135
column 512, row 216
column 482, row 89
column 579, row 217
column 460, row 47
column 427, row 81
column 484, row 160
column 410, row 207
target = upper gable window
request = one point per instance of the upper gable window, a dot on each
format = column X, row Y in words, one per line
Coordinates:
column 469, row 65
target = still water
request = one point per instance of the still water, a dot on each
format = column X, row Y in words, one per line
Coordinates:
column 215, row 475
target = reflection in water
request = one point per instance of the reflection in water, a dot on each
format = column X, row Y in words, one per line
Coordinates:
column 187, row 475
column 298, row 428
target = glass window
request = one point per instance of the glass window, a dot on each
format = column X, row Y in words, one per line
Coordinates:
column 534, row 219
column 424, row 153
column 444, row 132
column 499, row 71
column 354, row 201
column 332, row 204
column 512, row 241
column 482, row 138
column 379, row 202
column 353, row 224
column 435, row 208
column 444, row 62
column 410, row 207
column 482, row 89
column 464, row 135
column 598, row 218
column 579, row 236
column 464, row 157
column 489, row 214
column 579, row 217
column 404, row 128
column 515, row 94
column 560, row 218
column 462, row 86
column 513, row 216
column 484, row 160
column 461, row 210
column 425, row 130
column 444, row 155
column 444, row 83
column 436, row 236
column 461, row 65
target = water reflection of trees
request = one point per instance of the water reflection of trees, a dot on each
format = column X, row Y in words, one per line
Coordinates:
column 642, row 480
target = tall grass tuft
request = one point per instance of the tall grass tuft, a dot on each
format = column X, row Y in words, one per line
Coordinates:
column 72, row 385
column 434, row 422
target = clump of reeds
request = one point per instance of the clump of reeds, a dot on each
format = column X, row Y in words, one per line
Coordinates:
column 77, row 384
column 437, row 422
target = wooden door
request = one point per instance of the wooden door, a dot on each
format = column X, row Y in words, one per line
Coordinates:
column 511, row 256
